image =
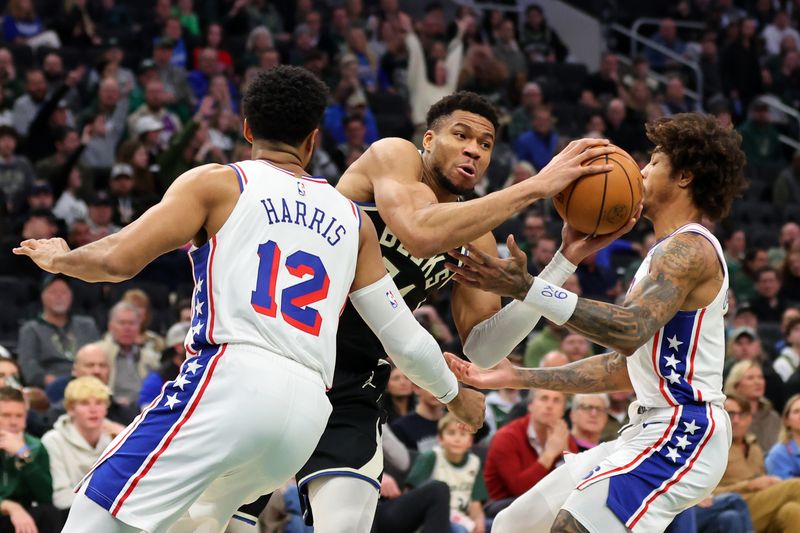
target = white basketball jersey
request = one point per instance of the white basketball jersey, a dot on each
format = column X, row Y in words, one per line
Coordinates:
column 682, row 363
column 277, row 273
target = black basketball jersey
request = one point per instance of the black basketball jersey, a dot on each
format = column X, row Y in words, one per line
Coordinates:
column 357, row 348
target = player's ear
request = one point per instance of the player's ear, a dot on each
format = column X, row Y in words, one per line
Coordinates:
column 246, row 132
column 685, row 179
column 427, row 140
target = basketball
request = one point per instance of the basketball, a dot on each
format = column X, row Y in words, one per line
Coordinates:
column 602, row 203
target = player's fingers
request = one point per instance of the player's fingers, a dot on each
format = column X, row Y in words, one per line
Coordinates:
column 593, row 153
column 467, row 260
column 458, row 278
column 463, row 271
column 515, row 250
column 22, row 250
column 595, row 169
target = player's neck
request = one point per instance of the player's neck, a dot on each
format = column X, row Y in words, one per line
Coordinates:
column 429, row 178
column 673, row 217
column 284, row 156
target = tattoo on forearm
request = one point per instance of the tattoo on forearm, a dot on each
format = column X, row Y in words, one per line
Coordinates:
column 566, row 523
column 674, row 271
column 602, row 373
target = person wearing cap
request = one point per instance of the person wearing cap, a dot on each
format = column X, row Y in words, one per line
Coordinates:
column 172, row 358
column 170, row 54
column 156, row 99
column 78, row 437
column 760, row 137
column 16, row 172
column 126, row 206
column 744, row 344
column 101, row 211
column 145, row 73
column 48, row 343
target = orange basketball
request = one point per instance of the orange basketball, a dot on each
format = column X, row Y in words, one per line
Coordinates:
column 602, row 203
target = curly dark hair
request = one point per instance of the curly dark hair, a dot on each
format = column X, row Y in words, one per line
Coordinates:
column 284, row 104
column 697, row 143
column 462, row 101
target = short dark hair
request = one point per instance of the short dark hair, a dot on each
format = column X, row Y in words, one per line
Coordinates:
column 8, row 131
column 697, row 143
column 10, row 394
column 62, row 132
column 284, row 104
column 462, row 101
column 766, row 269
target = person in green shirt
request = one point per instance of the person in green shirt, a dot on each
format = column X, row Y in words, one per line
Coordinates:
column 547, row 341
column 25, row 470
column 451, row 462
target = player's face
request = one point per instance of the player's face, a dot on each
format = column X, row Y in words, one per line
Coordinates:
column 88, row 414
column 460, row 150
column 658, row 184
column 455, row 440
column 752, row 384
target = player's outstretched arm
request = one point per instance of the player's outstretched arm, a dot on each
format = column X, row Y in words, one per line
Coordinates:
column 427, row 227
column 600, row 373
column 679, row 266
column 414, row 351
column 174, row 221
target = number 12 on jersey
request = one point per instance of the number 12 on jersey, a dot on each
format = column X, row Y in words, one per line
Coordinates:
column 295, row 299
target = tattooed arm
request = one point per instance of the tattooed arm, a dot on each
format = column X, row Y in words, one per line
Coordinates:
column 684, row 274
column 606, row 372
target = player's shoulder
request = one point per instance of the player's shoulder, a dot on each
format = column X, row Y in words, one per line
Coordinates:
column 687, row 253
column 394, row 153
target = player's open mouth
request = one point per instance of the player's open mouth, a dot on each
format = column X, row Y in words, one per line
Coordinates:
column 467, row 170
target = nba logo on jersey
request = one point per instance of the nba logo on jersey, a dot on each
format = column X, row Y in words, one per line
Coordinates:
column 392, row 299
column 301, row 188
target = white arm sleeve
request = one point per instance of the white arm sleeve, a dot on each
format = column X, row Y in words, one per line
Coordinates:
column 411, row 348
column 493, row 339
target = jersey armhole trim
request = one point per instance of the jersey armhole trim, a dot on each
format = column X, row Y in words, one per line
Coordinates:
column 240, row 175
column 356, row 212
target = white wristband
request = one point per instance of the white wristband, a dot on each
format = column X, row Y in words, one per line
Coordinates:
column 554, row 303
column 558, row 269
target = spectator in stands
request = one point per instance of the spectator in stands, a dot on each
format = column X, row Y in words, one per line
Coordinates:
column 734, row 246
column 130, row 362
column 746, row 379
column 775, row 33
column 538, row 145
column 597, row 281
column 675, row 99
column 200, row 78
column 355, row 131
column 783, row 460
column 57, row 168
column 424, row 90
column 499, row 404
column 533, row 228
column 588, row 418
column 741, row 68
column 91, row 360
column 605, row 83
column 180, row 43
column 110, row 65
column 539, row 41
column 187, row 16
column 507, row 50
column 709, row 62
column 417, row 430
column 22, row 26
column 542, row 254
column 789, row 359
column 399, row 398
column 790, row 275
column 154, row 107
column 367, row 62
column 527, row 449
column 27, row 105
column 126, row 206
column 786, row 189
column 39, row 200
column 745, row 345
column 522, row 117
column 76, row 27
column 177, row 92
column 743, row 279
column 16, row 172
column 621, row 131
column 213, row 40
column 787, row 239
column 147, row 338
column 224, row 94
column 451, row 462
column 575, row 347
column 774, row 504
column 101, row 211
column 760, row 137
column 769, row 304
column 48, row 343
column 78, row 437
column 135, row 154
column 667, row 37
column 541, row 343
column 554, row 358
column 617, row 414
column 484, row 74
column 26, row 490
column 107, row 120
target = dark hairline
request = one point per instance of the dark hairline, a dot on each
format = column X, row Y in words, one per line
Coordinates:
column 438, row 122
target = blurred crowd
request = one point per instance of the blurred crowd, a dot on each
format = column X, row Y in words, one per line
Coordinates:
column 103, row 103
